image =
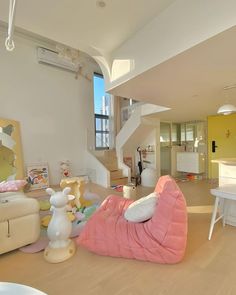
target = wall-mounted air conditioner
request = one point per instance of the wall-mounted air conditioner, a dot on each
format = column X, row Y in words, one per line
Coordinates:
column 52, row 58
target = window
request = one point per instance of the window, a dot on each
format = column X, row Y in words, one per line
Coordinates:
column 101, row 113
column 175, row 134
column 165, row 134
column 188, row 131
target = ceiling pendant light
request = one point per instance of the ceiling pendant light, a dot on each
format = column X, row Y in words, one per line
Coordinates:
column 227, row 109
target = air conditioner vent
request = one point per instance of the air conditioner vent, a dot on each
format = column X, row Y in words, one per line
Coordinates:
column 49, row 57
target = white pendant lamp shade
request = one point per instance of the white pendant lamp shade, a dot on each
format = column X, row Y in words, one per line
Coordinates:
column 226, row 109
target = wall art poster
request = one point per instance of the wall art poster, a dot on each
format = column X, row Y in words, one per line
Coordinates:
column 37, row 176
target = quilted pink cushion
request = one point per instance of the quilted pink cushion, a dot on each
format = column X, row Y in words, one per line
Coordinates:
column 11, row 185
column 161, row 239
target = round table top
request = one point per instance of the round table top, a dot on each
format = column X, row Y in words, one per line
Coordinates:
column 13, row 288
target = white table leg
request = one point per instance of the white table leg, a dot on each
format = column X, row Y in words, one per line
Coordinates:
column 225, row 210
column 213, row 218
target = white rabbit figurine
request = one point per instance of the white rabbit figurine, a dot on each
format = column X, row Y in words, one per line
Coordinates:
column 59, row 229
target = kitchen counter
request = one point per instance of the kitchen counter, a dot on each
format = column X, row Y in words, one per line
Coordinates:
column 226, row 161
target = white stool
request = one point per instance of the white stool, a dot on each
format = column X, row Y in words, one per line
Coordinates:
column 222, row 193
column 129, row 191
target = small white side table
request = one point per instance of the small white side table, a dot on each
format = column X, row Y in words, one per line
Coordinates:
column 18, row 289
column 129, row 191
column 222, row 194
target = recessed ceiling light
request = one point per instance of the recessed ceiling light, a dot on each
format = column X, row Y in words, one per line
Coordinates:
column 101, row 3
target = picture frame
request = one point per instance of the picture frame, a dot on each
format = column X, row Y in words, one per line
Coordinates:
column 11, row 158
column 37, row 176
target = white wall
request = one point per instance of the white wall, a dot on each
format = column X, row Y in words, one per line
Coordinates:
column 53, row 108
column 97, row 171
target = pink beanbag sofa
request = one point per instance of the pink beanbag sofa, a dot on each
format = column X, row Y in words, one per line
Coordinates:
column 161, row 239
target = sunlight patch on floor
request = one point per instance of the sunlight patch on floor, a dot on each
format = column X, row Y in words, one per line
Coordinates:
column 200, row 209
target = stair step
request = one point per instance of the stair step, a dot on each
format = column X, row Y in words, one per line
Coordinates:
column 116, row 174
column 111, row 165
column 110, row 153
column 107, row 156
column 109, row 159
column 119, row 181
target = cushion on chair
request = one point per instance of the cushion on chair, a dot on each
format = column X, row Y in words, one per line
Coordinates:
column 161, row 239
column 12, row 185
column 142, row 209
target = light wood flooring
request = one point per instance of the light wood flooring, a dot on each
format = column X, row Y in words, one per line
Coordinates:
column 209, row 267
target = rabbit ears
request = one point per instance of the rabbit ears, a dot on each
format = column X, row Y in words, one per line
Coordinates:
column 66, row 190
column 51, row 192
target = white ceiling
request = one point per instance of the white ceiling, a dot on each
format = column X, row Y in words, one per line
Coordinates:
column 191, row 84
column 81, row 23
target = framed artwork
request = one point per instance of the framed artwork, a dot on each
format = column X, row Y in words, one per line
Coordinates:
column 11, row 159
column 37, row 176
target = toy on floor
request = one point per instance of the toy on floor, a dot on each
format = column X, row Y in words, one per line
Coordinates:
column 59, row 229
column 44, row 205
column 77, row 189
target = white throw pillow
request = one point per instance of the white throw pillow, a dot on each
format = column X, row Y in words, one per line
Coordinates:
column 142, row 209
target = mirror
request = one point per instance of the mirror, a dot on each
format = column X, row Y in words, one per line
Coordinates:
column 11, row 161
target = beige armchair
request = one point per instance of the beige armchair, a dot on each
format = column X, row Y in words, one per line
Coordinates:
column 19, row 221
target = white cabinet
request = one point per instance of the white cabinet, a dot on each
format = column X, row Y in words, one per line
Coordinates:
column 191, row 162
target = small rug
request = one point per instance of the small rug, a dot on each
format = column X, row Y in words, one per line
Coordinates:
column 43, row 240
column 118, row 188
column 81, row 217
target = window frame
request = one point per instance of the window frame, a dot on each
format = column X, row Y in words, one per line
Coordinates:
column 102, row 117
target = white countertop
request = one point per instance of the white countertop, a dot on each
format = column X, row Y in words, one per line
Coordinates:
column 227, row 191
column 226, row 161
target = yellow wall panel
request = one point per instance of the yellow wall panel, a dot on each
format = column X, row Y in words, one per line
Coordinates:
column 222, row 129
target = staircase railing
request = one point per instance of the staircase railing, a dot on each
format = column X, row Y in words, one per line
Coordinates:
column 130, row 126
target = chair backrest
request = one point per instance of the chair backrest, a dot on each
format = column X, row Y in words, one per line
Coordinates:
column 170, row 217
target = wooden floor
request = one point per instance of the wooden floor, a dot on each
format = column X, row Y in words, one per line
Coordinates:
column 209, row 267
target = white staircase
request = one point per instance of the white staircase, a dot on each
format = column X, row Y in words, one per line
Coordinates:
column 108, row 159
column 106, row 167
column 136, row 127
